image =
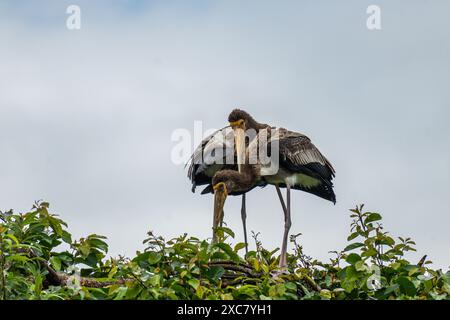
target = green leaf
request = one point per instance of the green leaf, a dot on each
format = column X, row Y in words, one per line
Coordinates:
column 369, row 253
column 291, row 286
column 85, row 249
column 406, row 286
column 155, row 280
column 219, row 256
column 227, row 249
column 55, row 225
column 215, row 272
column 372, row 217
column 66, row 237
column 353, row 246
column 65, row 257
column 247, row 290
column 200, row 291
column 352, row 236
column 446, row 277
column 13, row 238
column 391, row 289
column 56, row 263
column 38, row 284
column 239, row 246
column 121, row 292
column 227, row 231
column 255, row 264
column 154, row 257
column 360, row 266
column 92, row 259
column 352, row 258
column 194, row 283
column 446, row 288
column 437, row 296
column 326, row 294
column 17, row 258
column 99, row 244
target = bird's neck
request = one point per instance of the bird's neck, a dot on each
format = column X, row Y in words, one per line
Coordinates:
column 253, row 124
column 248, row 174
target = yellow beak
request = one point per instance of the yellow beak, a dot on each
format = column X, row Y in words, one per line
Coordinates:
column 220, row 195
column 239, row 140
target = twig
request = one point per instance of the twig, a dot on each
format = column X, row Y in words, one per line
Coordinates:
column 229, row 262
column 312, row 283
column 233, row 266
column 139, row 280
column 54, row 278
column 92, row 283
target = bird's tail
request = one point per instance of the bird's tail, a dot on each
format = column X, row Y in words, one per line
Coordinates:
column 323, row 190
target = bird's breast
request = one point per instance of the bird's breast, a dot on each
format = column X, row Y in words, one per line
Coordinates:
column 294, row 179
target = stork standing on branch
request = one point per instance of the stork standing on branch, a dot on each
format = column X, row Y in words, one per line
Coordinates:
column 214, row 153
column 299, row 165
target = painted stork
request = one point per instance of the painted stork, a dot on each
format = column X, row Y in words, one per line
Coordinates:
column 203, row 164
column 300, row 165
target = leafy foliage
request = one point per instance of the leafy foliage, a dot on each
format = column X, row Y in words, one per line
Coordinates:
column 39, row 260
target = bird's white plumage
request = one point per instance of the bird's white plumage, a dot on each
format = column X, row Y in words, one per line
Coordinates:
column 220, row 147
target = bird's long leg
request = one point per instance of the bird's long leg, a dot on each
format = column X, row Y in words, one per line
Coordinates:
column 286, row 214
column 287, row 227
column 244, row 218
column 280, row 196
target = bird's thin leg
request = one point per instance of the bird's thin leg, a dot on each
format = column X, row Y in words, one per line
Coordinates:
column 244, row 218
column 281, row 199
column 287, row 227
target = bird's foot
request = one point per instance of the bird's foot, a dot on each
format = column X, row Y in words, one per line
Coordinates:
column 282, row 271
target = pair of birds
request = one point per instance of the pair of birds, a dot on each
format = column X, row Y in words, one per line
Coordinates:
column 295, row 164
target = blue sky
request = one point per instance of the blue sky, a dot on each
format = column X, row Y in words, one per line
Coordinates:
column 87, row 115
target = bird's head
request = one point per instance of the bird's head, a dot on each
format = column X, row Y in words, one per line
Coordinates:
column 223, row 181
column 239, row 119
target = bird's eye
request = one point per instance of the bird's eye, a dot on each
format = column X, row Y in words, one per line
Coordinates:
column 237, row 123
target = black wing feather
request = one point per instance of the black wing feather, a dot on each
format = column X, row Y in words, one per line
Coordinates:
column 201, row 173
column 298, row 154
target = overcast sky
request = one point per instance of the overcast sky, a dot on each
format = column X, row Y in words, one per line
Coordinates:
column 87, row 115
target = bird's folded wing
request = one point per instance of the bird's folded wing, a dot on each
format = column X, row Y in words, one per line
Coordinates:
column 216, row 148
column 296, row 151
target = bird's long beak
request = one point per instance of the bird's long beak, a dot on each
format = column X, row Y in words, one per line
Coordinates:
column 220, row 194
column 239, row 140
